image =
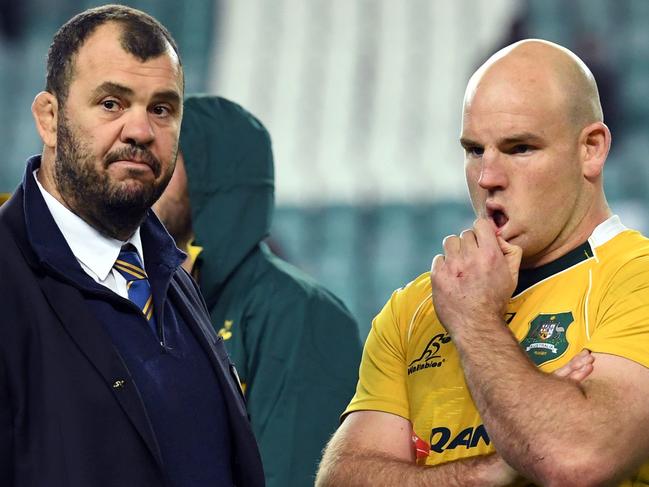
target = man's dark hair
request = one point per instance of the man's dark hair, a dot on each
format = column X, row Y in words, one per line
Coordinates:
column 142, row 36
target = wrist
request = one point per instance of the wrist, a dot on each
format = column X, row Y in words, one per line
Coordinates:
column 476, row 324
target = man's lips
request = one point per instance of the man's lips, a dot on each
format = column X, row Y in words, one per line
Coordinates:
column 499, row 218
column 140, row 167
column 132, row 161
column 497, row 215
column 135, row 159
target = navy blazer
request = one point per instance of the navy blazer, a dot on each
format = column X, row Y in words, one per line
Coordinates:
column 70, row 416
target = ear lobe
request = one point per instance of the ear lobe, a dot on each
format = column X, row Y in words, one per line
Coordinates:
column 45, row 110
column 595, row 144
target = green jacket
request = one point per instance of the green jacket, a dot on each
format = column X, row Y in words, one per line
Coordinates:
column 296, row 346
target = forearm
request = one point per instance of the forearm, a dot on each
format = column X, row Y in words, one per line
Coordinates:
column 369, row 469
column 532, row 417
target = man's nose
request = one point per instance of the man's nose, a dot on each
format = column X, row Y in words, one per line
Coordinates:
column 137, row 129
column 493, row 175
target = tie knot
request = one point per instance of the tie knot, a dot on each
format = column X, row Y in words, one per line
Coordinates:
column 129, row 265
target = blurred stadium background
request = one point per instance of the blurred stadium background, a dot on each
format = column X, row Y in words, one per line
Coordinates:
column 362, row 99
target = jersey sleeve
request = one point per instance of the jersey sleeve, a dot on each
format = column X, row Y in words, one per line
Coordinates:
column 382, row 375
column 622, row 326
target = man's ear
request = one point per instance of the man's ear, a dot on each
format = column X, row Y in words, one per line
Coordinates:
column 45, row 110
column 595, row 140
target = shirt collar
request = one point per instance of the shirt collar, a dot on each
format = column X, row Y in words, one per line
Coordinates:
column 604, row 232
column 91, row 248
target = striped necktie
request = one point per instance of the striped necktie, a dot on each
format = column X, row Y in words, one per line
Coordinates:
column 129, row 265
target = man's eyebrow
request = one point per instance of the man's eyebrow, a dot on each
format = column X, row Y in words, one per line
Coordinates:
column 464, row 142
column 523, row 137
column 110, row 88
column 169, row 96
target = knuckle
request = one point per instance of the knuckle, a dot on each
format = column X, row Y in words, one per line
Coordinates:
column 438, row 260
column 449, row 239
column 468, row 233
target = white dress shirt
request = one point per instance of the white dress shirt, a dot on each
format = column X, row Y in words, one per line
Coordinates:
column 95, row 252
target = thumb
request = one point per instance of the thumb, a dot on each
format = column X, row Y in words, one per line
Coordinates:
column 513, row 255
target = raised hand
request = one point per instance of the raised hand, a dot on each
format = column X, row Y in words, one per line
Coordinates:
column 474, row 278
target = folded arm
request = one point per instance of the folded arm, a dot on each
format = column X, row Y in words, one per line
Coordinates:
column 373, row 448
column 559, row 432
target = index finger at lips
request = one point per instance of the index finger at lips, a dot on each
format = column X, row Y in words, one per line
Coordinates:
column 484, row 233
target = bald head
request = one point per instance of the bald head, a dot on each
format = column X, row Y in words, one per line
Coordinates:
column 543, row 72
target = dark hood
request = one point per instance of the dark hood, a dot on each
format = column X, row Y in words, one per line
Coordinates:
column 229, row 163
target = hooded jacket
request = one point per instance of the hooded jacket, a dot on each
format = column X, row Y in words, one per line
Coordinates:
column 295, row 345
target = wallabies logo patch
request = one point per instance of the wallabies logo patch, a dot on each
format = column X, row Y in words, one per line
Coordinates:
column 430, row 357
column 546, row 339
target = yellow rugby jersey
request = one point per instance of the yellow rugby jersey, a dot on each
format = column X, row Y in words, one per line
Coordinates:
column 595, row 297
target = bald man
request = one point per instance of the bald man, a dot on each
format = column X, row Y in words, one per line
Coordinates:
column 522, row 357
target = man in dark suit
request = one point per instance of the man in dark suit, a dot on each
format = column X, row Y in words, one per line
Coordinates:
column 110, row 372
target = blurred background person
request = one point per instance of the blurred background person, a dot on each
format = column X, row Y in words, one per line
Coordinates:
column 295, row 345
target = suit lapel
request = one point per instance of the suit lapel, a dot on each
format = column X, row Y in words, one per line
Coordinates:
column 96, row 345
